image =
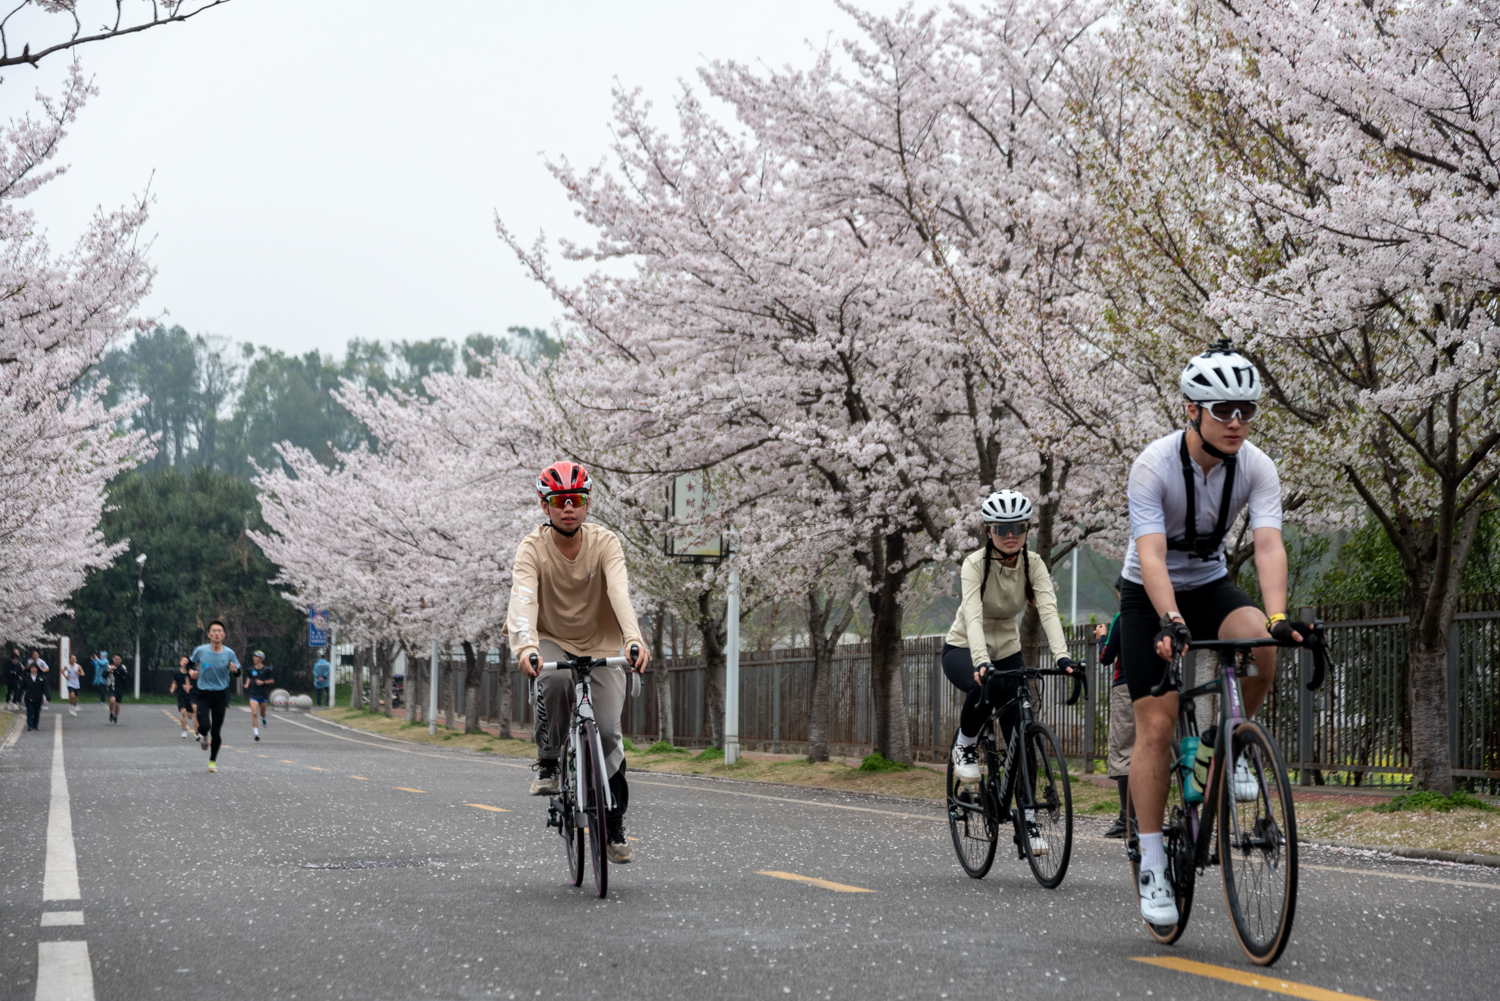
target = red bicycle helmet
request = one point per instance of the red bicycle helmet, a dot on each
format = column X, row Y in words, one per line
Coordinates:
column 563, row 477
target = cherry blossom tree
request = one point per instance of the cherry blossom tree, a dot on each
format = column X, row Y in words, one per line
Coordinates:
column 59, row 26
column 1320, row 183
column 58, row 444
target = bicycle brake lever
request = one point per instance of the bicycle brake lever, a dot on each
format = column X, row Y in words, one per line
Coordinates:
column 1318, row 644
column 1163, row 686
column 1080, row 687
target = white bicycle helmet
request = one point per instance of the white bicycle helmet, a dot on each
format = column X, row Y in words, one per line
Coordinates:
column 1220, row 374
column 1005, row 505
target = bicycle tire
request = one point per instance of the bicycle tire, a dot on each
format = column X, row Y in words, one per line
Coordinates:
column 571, row 832
column 1053, row 812
column 596, row 807
column 973, row 815
column 1182, row 872
column 1258, row 847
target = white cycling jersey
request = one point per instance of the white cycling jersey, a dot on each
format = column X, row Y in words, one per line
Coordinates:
column 1158, row 505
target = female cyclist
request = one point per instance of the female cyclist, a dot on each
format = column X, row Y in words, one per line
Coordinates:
column 998, row 582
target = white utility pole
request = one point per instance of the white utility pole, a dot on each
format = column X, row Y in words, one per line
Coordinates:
column 140, row 587
column 732, row 673
column 333, row 668
column 1073, row 614
column 433, row 686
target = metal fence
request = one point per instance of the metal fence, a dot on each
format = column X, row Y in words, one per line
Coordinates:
column 1355, row 731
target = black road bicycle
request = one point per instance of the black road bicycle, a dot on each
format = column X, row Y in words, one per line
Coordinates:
column 581, row 807
column 1027, row 788
column 1256, row 847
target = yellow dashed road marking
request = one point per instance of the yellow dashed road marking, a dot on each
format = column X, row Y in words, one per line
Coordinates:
column 315, row 768
column 824, row 883
column 360, row 777
column 409, row 789
column 1259, row 981
column 492, row 809
column 287, row 761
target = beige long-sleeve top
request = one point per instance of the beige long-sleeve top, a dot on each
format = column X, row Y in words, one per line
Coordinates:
column 993, row 628
column 582, row 605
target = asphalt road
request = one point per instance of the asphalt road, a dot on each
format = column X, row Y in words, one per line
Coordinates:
column 194, row 886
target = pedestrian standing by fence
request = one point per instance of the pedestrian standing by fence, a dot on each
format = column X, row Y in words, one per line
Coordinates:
column 101, row 664
column 33, row 693
column 13, row 680
column 72, row 677
column 115, row 677
column 321, row 671
column 1121, row 716
column 216, row 663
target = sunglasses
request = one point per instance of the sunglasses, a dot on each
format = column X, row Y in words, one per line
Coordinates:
column 563, row 500
column 1232, row 410
column 1005, row 528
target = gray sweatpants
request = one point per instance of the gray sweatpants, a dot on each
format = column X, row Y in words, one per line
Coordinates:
column 554, row 707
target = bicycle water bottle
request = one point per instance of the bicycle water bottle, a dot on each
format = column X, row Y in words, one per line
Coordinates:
column 1202, row 762
column 1187, row 765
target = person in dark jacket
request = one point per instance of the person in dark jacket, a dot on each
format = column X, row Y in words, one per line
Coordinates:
column 33, row 691
column 13, row 681
column 1121, row 716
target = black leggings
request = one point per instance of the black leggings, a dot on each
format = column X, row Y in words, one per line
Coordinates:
column 211, row 708
column 958, row 665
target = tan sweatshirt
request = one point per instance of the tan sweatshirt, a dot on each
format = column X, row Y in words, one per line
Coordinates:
column 582, row 605
column 995, row 629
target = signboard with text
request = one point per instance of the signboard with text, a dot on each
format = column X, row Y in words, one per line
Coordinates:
column 317, row 627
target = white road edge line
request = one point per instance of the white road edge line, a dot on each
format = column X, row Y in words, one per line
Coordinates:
column 63, row 972
column 60, row 879
column 933, row 818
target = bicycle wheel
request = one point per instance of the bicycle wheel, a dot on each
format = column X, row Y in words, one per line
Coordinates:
column 596, row 806
column 1258, row 847
column 1177, row 843
column 571, row 832
column 1052, row 809
column 972, row 811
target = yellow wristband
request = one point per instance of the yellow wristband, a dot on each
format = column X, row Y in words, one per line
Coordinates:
column 1272, row 620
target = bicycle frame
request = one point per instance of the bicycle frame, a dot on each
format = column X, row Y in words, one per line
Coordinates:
column 1231, row 714
column 583, row 709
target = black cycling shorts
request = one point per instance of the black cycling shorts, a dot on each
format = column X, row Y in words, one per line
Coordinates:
column 1204, row 608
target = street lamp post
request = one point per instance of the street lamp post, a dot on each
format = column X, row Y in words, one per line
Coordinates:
column 140, row 587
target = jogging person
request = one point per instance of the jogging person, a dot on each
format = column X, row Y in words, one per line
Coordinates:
column 101, row 664
column 13, row 681
column 182, row 687
column 998, row 582
column 1186, row 490
column 72, row 675
column 570, row 597
column 259, row 688
column 115, row 676
column 215, row 663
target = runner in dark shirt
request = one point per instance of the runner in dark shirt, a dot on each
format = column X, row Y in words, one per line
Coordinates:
column 259, row 686
column 115, row 676
column 182, row 687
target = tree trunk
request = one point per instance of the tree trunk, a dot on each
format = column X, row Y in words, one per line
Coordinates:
column 474, row 663
column 824, row 643
column 502, row 679
column 447, row 694
column 357, row 689
column 412, row 685
column 384, row 656
column 887, row 668
column 660, row 682
column 714, row 639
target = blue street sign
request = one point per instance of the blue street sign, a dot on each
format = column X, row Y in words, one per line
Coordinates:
column 317, row 627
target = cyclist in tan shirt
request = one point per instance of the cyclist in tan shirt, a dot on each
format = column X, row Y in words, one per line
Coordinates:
column 570, row 597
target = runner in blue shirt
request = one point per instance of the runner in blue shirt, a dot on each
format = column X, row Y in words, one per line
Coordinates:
column 101, row 663
column 216, row 663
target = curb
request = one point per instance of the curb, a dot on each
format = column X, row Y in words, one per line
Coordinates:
column 16, row 727
column 1419, row 854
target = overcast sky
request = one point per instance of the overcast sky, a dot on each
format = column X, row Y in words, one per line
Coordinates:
column 331, row 169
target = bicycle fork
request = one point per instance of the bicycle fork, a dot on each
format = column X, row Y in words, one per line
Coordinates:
column 586, row 712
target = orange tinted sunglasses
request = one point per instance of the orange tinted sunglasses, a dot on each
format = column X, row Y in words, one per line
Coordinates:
column 563, row 500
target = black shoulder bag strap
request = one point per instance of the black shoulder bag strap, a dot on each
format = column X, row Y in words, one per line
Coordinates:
column 1189, row 543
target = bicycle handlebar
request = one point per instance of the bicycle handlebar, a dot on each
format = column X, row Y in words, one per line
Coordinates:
column 1078, row 675
column 1315, row 641
column 592, row 662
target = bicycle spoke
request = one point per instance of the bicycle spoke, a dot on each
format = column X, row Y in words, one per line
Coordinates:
column 1258, row 851
column 972, row 814
column 1048, row 832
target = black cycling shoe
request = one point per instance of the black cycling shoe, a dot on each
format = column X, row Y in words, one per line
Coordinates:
column 1117, row 829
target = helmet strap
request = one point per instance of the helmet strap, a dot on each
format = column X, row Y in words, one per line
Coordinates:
column 559, row 531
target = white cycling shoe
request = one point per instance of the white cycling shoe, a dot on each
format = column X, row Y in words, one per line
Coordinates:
column 966, row 764
column 1157, row 905
column 1245, row 788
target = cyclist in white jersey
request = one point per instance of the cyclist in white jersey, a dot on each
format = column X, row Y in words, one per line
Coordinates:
column 1186, row 490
